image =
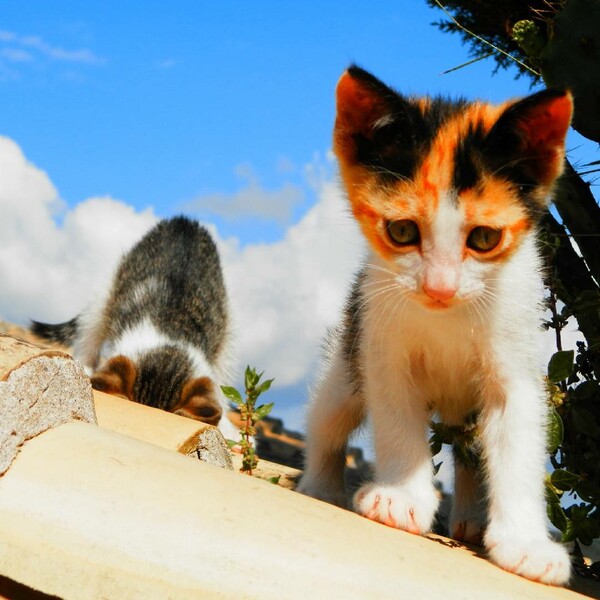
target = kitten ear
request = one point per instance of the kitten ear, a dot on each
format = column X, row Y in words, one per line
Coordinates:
column 532, row 133
column 364, row 104
column 199, row 401
column 116, row 377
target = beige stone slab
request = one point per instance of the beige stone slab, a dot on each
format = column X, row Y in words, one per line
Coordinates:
column 14, row 352
column 161, row 428
column 147, row 423
column 287, row 477
column 39, row 389
column 88, row 513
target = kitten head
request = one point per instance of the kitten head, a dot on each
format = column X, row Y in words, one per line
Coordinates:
column 446, row 192
column 161, row 378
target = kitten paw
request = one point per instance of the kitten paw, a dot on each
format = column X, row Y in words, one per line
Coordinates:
column 540, row 560
column 397, row 507
column 470, row 532
column 319, row 492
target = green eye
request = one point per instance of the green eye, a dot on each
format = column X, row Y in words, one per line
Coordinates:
column 484, row 239
column 403, row 232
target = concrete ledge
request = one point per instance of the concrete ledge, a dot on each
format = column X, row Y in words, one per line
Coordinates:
column 164, row 429
column 87, row 513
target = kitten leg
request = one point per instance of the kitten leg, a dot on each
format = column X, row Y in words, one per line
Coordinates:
column 513, row 437
column 403, row 494
column 468, row 516
column 334, row 413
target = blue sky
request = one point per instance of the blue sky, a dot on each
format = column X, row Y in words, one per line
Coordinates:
column 114, row 114
column 160, row 106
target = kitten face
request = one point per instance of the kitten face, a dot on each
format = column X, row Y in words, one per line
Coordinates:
column 445, row 192
column 161, row 377
column 443, row 249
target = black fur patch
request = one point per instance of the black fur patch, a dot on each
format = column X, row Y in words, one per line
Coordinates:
column 161, row 375
column 468, row 159
column 63, row 333
column 397, row 144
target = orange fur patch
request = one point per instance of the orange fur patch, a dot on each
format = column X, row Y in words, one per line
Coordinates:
column 493, row 202
column 358, row 108
column 544, row 131
column 117, row 377
column 198, row 401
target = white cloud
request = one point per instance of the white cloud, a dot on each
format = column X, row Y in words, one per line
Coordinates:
column 16, row 55
column 286, row 293
column 21, row 48
column 251, row 200
column 283, row 294
column 50, row 271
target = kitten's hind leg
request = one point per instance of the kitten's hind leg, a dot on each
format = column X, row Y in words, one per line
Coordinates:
column 468, row 516
column 92, row 329
column 334, row 412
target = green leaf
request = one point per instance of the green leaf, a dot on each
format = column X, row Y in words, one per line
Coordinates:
column 252, row 378
column 556, row 514
column 262, row 411
column 555, row 431
column 585, row 390
column 232, row 394
column 274, row 480
column 586, row 529
column 563, row 480
column 560, row 366
column 568, row 533
column 585, row 422
column 264, row 386
column 587, row 490
column 232, row 443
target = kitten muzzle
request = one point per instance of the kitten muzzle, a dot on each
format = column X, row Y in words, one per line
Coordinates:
column 442, row 296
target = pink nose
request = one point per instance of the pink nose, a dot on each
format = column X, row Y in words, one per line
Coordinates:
column 443, row 294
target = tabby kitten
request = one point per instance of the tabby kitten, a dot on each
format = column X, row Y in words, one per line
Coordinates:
column 442, row 315
column 160, row 335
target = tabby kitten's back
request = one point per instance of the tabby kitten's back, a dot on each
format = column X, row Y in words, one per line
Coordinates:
column 160, row 335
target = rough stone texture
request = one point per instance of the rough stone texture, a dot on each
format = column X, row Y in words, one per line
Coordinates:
column 38, row 390
column 212, row 449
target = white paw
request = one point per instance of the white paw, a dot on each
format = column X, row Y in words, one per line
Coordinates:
column 315, row 489
column 540, row 560
column 397, row 506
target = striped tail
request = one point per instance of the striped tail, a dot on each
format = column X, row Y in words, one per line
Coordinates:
column 64, row 333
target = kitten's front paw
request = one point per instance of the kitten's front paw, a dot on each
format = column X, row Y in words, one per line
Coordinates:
column 397, row 506
column 540, row 560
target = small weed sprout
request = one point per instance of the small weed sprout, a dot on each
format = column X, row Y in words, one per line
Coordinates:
column 250, row 414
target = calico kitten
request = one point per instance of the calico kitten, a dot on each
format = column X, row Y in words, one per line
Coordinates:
column 443, row 314
column 160, row 336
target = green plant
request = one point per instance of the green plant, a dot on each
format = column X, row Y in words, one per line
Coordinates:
column 250, row 414
column 574, row 431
